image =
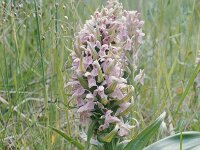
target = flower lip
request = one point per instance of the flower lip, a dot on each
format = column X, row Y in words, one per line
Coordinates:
column 87, row 74
column 100, row 88
column 87, row 107
column 90, row 96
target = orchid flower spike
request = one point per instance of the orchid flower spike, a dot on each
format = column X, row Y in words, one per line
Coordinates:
column 101, row 53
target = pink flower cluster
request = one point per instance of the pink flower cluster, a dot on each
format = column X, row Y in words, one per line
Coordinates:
column 99, row 58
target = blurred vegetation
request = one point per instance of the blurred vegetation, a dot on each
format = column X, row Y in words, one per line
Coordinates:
column 36, row 38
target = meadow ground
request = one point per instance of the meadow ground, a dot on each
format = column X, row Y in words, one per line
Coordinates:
column 36, row 40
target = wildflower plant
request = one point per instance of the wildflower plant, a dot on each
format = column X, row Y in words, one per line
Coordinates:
column 103, row 60
column 104, row 50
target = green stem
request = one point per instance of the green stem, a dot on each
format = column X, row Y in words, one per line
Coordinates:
column 43, row 73
column 108, row 146
column 111, row 145
column 190, row 83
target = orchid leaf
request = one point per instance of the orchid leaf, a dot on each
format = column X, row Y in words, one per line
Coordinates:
column 108, row 137
column 190, row 141
column 140, row 141
column 110, row 67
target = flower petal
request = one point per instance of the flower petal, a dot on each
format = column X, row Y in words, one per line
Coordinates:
column 87, row 107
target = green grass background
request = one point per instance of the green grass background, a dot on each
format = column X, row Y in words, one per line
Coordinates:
column 35, row 44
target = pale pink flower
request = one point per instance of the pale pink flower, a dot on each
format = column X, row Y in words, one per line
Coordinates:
column 116, row 70
column 102, row 52
column 87, row 60
column 94, row 72
column 78, row 92
column 100, row 92
column 123, row 107
column 117, row 92
column 106, row 63
column 87, row 107
column 76, row 63
column 91, row 79
column 140, row 35
column 80, row 101
column 109, row 119
column 128, row 44
column 123, row 32
column 124, row 129
column 90, row 97
column 85, row 117
column 140, row 77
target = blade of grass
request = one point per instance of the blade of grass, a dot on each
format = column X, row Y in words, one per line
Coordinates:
column 43, row 72
column 69, row 139
column 190, row 83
